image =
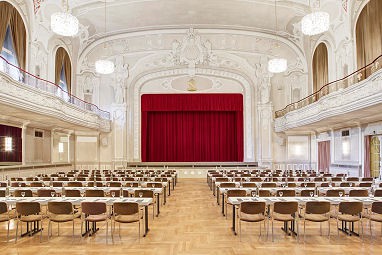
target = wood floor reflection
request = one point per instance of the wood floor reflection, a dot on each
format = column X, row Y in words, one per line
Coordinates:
column 190, row 223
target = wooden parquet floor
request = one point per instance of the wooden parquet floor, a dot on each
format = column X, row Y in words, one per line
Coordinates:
column 190, row 223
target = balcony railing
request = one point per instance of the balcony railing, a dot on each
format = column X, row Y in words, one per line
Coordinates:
column 343, row 83
column 31, row 80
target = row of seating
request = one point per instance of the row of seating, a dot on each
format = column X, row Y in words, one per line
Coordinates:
column 60, row 212
column 314, row 211
column 81, row 184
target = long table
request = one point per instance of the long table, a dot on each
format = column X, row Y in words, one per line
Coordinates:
column 144, row 202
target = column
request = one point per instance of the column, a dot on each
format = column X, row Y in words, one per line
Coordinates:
column 119, row 133
column 23, row 141
column 265, row 131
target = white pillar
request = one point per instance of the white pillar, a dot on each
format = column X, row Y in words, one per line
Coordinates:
column 23, row 140
column 265, row 131
column 119, row 133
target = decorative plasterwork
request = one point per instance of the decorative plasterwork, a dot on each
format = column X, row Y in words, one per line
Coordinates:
column 20, row 96
column 362, row 95
column 212, row 41
column 248, row 106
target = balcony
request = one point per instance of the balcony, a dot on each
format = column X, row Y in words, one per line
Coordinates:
column 353, row 100
column 24, row 96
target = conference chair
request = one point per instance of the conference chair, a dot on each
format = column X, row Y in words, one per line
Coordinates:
column 250, row 211
column 5, row 215
column 285, row 212
column 350, row 212
column 28, row 212
column 60, row 212
column 94, row 212
column 126, row 213
column 317, row 212
column 375, row 215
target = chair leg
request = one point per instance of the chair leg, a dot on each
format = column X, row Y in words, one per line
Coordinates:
column 8, row 231
column 304, row 229
column 298, row 230
column 58, row 229
column 361, row 228
column 260, row 230
column 370, row 227
column 329, row 228
column 338, row 231
column 265, row 229
column 82, row 225
column 119, row 230
column 49, row 225
column 240, row 229
column 272, row 231
column 73, row 229
column 107, row 229
column 139, row 231
column 41, row 231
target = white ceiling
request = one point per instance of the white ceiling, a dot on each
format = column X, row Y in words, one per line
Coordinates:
column 132, row 15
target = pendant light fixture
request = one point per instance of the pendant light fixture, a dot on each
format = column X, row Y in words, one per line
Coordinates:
column 277, row 65
column 104, row 66
column 315, row 23
column 64, row 23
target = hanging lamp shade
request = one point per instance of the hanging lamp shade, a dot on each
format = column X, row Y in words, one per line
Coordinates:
column 315, row 23
column 104, row 66
column 64, row 23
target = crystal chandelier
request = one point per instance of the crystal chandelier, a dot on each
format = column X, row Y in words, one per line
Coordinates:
column 104, row 66
column 64, row 23
column 315, row 23
column 277, row 65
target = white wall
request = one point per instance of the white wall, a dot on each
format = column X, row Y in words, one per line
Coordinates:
column 37, row 150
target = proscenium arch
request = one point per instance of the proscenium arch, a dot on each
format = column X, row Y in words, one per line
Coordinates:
column 248, row 104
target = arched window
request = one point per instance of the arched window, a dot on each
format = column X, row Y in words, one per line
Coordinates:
column 368, row 34
column 12, row 39
column 63, row 70
column 320, row 67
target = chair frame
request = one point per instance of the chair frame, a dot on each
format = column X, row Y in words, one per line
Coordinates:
column 264, row 220
column 7, row 213
column 119, row 223
column 58, row 223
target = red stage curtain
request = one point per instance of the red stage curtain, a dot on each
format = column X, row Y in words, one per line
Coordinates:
column 324, row 156
column 192, row 128
column 16, row 154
